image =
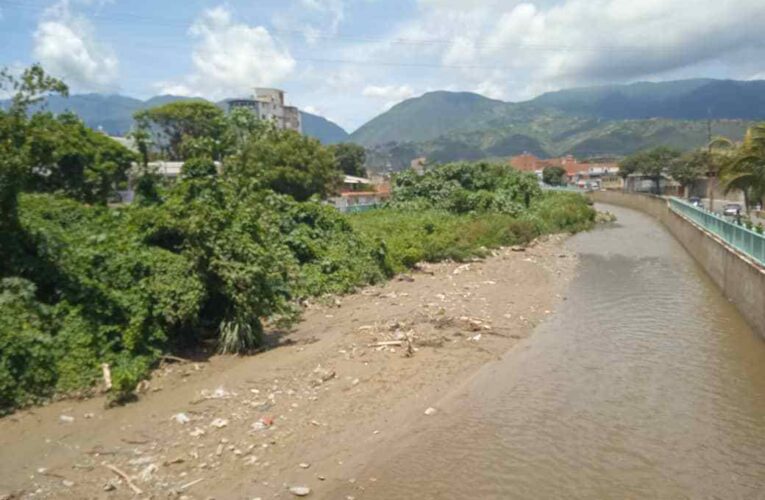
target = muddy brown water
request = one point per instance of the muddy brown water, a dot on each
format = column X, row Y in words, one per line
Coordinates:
column 644, row 383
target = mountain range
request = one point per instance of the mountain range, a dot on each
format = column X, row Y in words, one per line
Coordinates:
column 612, row 121
column 114, row 114
column 609, row 120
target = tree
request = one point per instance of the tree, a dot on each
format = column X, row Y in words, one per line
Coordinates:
column 652, row 163
column 350, row 158
column 29, row 88
column 745, row 168
column 66, row 156
column 286, row 162
column 688, row 168
column 185, row 129
column 554, row 176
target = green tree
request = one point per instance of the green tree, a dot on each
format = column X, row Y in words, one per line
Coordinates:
column 688, row 168
column 350, row 158
column 185, row 129
column 29, row 88
column 745, row 168
column 67, row 157
column 554, row 176
column 652, row 163
column 286, row 162
column 197, row 168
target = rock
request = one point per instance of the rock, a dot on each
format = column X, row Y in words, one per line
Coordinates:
column 300, row 491
column 517, row 248
column 219, row 423
column 461, row 269
column 430, row 411
column 181, row 418
column 67, row 419
column 304, row 465
column 148, row 472
column 67, row 483
column 197, row 432
column 110, row 486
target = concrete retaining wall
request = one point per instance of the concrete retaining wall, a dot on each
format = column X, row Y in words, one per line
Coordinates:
column 741, row 280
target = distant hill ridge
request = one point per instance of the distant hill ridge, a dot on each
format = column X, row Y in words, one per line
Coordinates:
column 114, row 114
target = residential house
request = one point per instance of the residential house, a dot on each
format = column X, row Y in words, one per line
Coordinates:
column 358, row 194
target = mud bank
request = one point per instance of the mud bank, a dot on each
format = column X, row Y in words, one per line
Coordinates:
column 310, row 412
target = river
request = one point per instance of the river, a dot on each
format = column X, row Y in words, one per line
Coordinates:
column 644, row 383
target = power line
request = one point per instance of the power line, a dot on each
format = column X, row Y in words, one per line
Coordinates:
column 123, row 17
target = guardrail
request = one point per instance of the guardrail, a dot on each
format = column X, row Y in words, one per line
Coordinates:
column 568, row 189
column 355, row 209
column 742, row 239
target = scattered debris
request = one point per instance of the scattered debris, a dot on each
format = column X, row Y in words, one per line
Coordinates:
column 192, row 483
column 148, row 472
column 219, row 423
column 107, row 373
column 126, row 478
column 430, row 411
column 197, row 432
column 219, row 393
column 181, row 418
column 461, row 269
column 300, row 491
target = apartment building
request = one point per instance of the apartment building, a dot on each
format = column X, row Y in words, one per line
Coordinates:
column 268, row 104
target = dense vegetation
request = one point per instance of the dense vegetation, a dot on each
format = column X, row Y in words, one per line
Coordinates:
column 215, row 256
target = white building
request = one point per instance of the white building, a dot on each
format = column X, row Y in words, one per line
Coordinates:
column 268, row 104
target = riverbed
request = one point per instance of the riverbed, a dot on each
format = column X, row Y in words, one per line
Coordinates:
column 644, row 383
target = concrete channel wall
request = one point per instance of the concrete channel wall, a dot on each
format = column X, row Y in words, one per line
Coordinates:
column 741, row 280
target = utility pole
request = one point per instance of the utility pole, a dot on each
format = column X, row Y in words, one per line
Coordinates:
column 710, row 164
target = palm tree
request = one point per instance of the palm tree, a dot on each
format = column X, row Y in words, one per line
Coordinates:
column 745, row 170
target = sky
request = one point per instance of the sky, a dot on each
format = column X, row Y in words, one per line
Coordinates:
column 349, row 60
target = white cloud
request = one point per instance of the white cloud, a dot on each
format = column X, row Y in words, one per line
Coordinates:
column 231, row 58
column 315, row 19
column 391, row 94
column 66, row 46
column 506, row 48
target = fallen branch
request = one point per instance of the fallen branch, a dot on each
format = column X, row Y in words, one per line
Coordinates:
column 136, row 489
column 192, row 483
column 168, row 357
column 388, row 343
column 107, row 375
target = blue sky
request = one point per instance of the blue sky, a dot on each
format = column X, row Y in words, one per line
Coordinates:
column 352, row 59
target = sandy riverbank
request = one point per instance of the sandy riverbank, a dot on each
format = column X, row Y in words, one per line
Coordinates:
column 310, row 412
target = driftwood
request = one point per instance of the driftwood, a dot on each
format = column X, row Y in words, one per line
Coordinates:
column 168, row 357
column 192, row 483
column 136, row 489
column 389, row 343
column 107, row 375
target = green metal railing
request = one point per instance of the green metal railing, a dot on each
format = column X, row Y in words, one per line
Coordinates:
column 355, row 209
column 742, row 239
column 569, row 189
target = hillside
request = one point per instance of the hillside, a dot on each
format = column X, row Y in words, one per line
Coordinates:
column 556, row 136
column 605, row 120
column 684, row 100
column 114, row 114
column 432, row 115
column 320, row 128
